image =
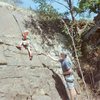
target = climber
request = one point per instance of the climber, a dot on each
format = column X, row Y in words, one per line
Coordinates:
column 26, row 43
column 66, row 65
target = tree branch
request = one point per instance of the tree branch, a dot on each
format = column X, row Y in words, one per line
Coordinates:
column 80, row 31
column 73, row 43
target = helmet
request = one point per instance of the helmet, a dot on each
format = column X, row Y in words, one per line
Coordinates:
column 26, row 31
column 25, row 34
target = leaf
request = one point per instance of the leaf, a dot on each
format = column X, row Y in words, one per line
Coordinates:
column 89, row 5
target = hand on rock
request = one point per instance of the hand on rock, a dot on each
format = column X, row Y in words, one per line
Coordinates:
column 42, row 53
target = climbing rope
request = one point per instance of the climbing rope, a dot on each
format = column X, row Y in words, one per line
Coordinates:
column 17, row 23
column 29, row 36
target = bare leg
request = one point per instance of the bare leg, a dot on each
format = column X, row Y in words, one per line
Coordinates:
column 68, row 93
column 30, row 52
column 72, row 94
column 20, row 45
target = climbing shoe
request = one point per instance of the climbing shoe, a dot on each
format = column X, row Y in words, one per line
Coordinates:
column 31, row 57
column 18, row 47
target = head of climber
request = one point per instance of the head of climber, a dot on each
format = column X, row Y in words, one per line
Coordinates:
column 62, row 55
column 25, row 34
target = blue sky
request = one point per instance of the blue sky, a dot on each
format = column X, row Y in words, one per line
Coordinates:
column 58, row 7
column 29, row 3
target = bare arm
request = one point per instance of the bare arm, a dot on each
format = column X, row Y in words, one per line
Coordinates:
column 54, row 59
column 36, row 53
column 67, row 72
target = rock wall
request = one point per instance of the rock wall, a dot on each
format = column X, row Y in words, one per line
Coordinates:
column 20, row 78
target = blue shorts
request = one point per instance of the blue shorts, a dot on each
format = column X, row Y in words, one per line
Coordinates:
column 69, row 81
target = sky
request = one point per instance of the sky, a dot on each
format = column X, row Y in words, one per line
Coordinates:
column 58, row 7
column 29, row 3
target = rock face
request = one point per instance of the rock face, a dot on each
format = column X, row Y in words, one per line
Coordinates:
column 20, row 78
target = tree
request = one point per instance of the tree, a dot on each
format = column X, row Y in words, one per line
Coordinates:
column 89, row 6
column 46, row 11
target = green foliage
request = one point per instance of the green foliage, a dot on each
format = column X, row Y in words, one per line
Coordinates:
column 65, row 30
column 46, row 11
column 89, row 5
column 49, row 14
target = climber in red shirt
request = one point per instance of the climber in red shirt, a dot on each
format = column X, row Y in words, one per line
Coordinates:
column 26, row 43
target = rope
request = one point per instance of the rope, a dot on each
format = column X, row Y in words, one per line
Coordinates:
column 17, row 23
column 29, row 36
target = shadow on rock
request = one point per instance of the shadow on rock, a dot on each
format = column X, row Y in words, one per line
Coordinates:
column 59, row 85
